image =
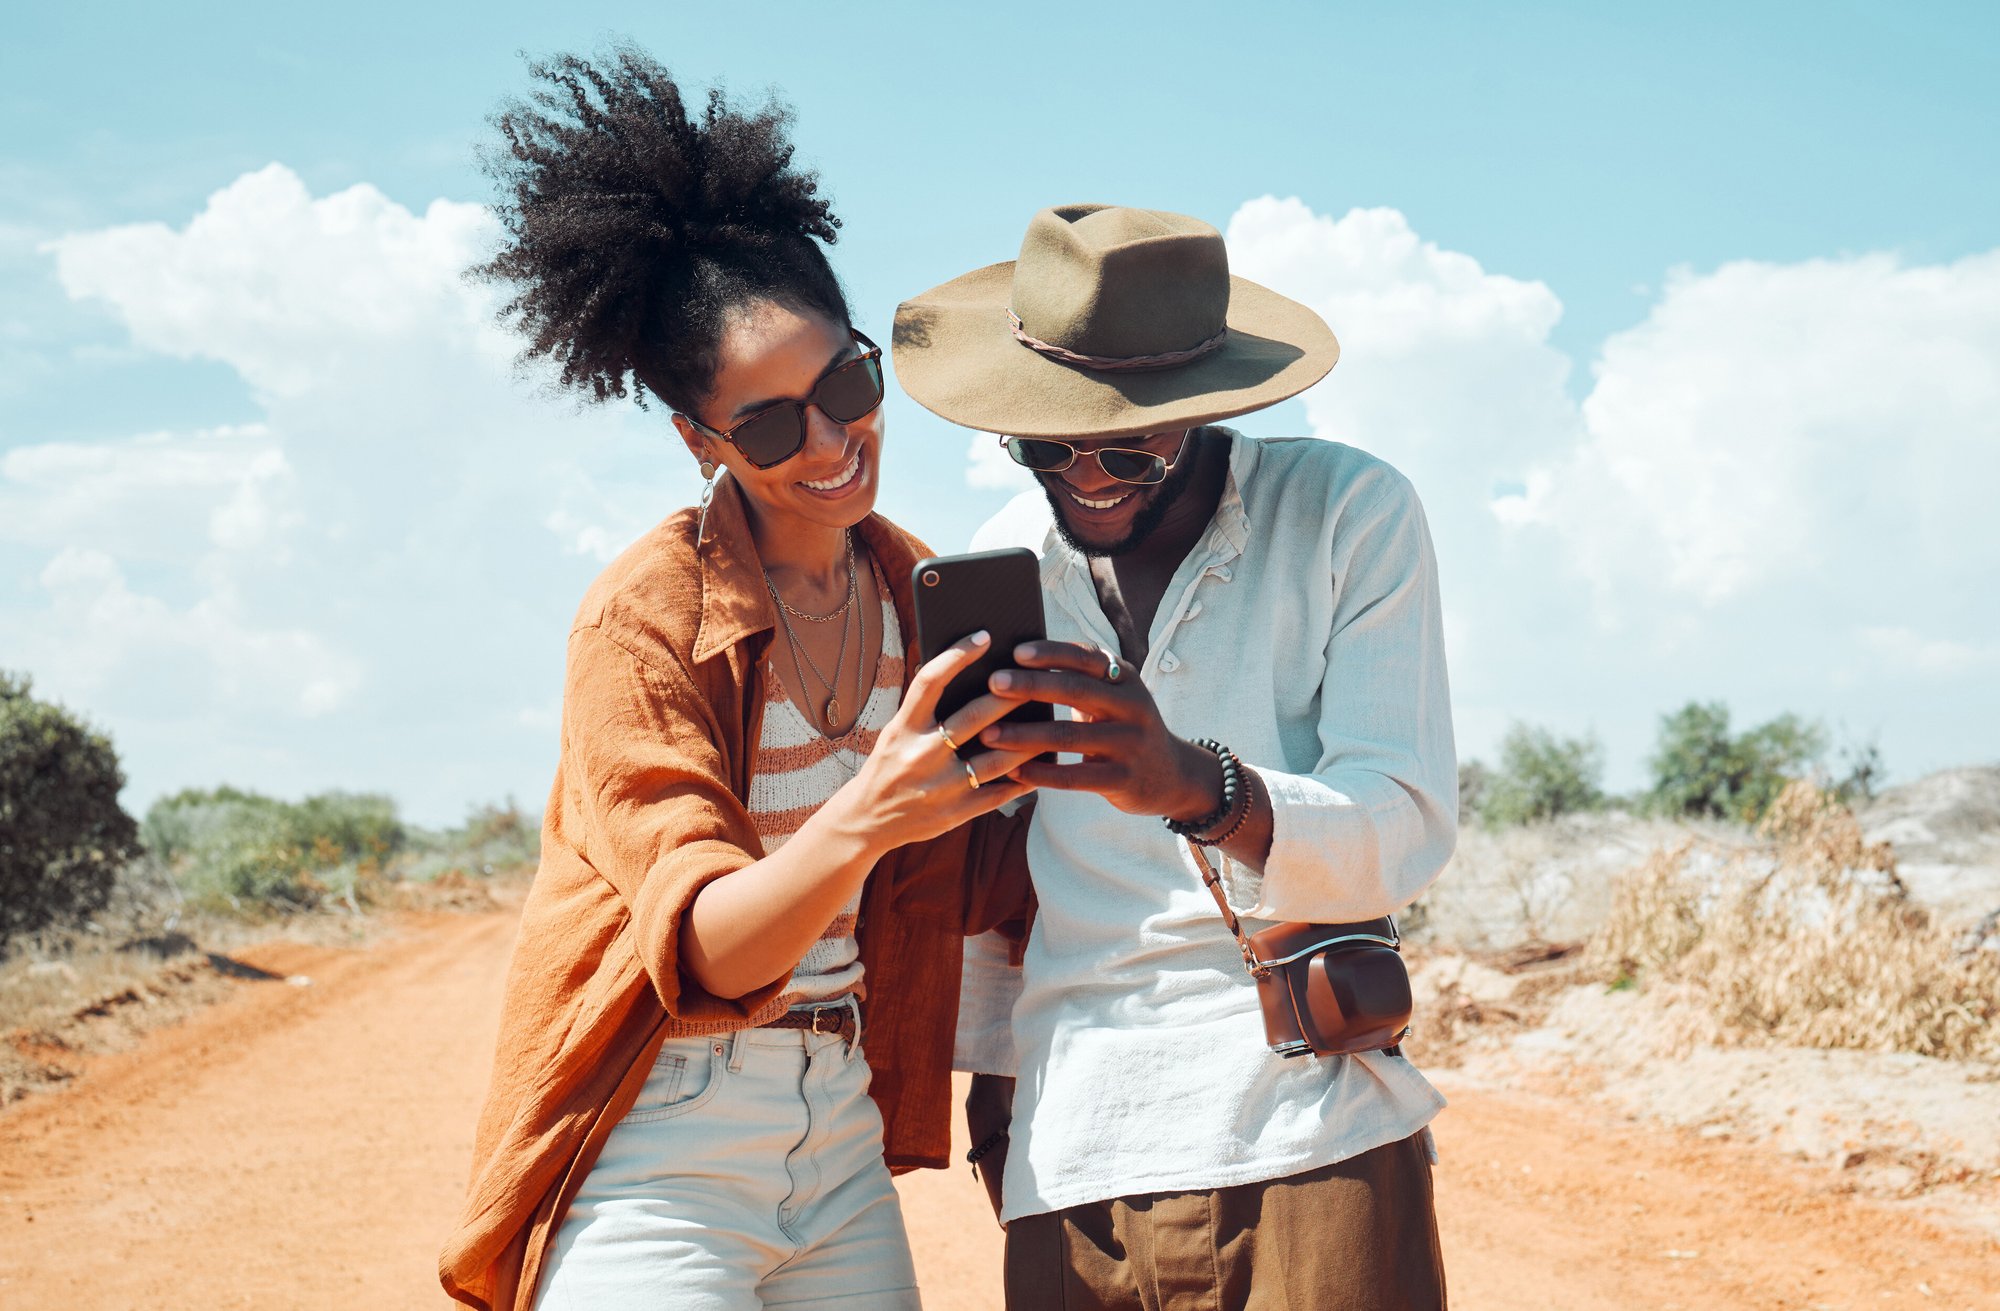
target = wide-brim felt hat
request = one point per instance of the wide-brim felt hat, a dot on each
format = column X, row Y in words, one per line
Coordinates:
column 1113, row 322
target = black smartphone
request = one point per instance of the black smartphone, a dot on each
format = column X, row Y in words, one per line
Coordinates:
column 999, row 591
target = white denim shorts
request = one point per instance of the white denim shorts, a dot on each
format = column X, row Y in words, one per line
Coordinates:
column 749, row 1174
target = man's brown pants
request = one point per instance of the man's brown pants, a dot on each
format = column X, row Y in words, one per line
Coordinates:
column 1359, row 1235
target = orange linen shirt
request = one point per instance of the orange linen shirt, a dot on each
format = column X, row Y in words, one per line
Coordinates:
column 662, row 710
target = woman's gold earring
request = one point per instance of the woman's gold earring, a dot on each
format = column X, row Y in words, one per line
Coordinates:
column 707, row 470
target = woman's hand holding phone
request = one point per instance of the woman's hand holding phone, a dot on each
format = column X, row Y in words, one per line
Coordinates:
column 747, row 929
column 914, row 786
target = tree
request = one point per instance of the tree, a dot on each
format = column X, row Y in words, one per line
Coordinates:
column 1541, row 776
column 1701, row 771
column 63, row 836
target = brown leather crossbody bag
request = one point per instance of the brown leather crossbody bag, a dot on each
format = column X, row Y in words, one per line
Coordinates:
column 1325, row 989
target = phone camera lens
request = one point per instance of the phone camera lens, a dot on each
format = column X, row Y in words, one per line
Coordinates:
column 930, row 578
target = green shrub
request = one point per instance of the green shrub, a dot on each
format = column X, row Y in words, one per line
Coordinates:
column 361, row 826
column 63, row 835
column 229, row 849
column 1701, row 771
column 1540, row 776
column 238, row 850
column 493, row 839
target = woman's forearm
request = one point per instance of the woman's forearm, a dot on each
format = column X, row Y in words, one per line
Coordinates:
column 755, row 926
column 752, row 927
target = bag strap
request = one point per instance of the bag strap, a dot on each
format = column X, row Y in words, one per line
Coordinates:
column 1212, row 880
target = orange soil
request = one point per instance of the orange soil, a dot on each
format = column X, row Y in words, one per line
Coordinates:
column 306, row 1147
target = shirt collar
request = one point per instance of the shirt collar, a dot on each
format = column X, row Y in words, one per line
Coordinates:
column 735, row 604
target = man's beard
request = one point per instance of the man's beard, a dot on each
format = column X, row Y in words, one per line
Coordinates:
column 1160, row 498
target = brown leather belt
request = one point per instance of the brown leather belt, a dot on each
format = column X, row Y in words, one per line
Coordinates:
column 838, row 1018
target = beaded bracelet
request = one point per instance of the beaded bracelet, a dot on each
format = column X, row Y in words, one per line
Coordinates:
column 1242, row 816
column 1232, row 797
column 977, row 1154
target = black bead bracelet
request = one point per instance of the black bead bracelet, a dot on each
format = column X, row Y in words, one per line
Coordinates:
column 1242, row 814
column 987, row 1144
column 1234, row 795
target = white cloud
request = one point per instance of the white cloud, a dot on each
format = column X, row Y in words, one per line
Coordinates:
column 362, row 587
column 1771, row 424
column 100, row 633
column 367, row 282
column 223, row 488
column 1776, row 490
column 1444, row 366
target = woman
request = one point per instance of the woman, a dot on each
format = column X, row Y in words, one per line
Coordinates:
column 680, row 1114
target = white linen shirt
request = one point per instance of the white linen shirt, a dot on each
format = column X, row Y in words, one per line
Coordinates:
column 1303, row 631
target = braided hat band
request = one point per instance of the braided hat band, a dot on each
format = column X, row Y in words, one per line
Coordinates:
column 1165, row 360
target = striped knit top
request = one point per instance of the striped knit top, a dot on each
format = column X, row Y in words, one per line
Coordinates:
column 798, row 769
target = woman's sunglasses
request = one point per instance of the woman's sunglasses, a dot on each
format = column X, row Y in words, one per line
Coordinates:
column 776, row 433
column 1127, row 466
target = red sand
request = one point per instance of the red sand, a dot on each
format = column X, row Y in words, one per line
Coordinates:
column 305, row 1147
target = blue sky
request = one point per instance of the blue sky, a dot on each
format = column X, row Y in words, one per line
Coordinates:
column 1592, row 265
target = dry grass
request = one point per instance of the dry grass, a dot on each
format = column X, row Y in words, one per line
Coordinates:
column 56, row 1012
column 1811, row 940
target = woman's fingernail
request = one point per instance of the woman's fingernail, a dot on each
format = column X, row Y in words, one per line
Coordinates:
column 1002, row 681
column 981, row 638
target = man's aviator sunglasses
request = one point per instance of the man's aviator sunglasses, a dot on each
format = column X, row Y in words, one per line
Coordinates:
column 774, row 434
column 1126, row 465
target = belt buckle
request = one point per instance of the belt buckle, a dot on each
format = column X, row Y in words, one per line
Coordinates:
column 821, row 1013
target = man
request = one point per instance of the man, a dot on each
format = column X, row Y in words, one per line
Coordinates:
column 1279, row 599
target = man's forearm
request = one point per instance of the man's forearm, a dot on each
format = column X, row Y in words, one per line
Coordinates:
column 989, row 1113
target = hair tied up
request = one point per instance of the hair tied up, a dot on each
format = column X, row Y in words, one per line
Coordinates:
column 632, row 226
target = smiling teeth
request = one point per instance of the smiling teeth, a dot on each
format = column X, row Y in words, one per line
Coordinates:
column 839, row 480
column 1096, row 505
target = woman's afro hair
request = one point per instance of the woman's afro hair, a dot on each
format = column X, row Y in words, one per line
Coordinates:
column 634, row 226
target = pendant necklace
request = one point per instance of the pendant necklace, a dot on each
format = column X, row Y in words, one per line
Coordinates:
column 802, row 659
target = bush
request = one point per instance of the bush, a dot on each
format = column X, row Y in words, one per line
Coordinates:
column 1813, row 941
column 63, row 835
column 494, row 839
column 238, row 850
column 1702, row 772
column 1540, row 776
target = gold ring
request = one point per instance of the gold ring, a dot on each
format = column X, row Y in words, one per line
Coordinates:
column 971, row 774
column 945, row 733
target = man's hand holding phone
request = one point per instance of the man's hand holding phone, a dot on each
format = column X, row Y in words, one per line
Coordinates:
column 1129, row 756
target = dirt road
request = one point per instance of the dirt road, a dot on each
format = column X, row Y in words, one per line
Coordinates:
column 305, row 1146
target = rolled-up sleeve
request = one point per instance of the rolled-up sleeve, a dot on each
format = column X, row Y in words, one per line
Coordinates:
column 660, row 822
column 1370, row 827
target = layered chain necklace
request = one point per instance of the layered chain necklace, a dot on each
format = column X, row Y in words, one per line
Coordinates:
column 802, row 659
